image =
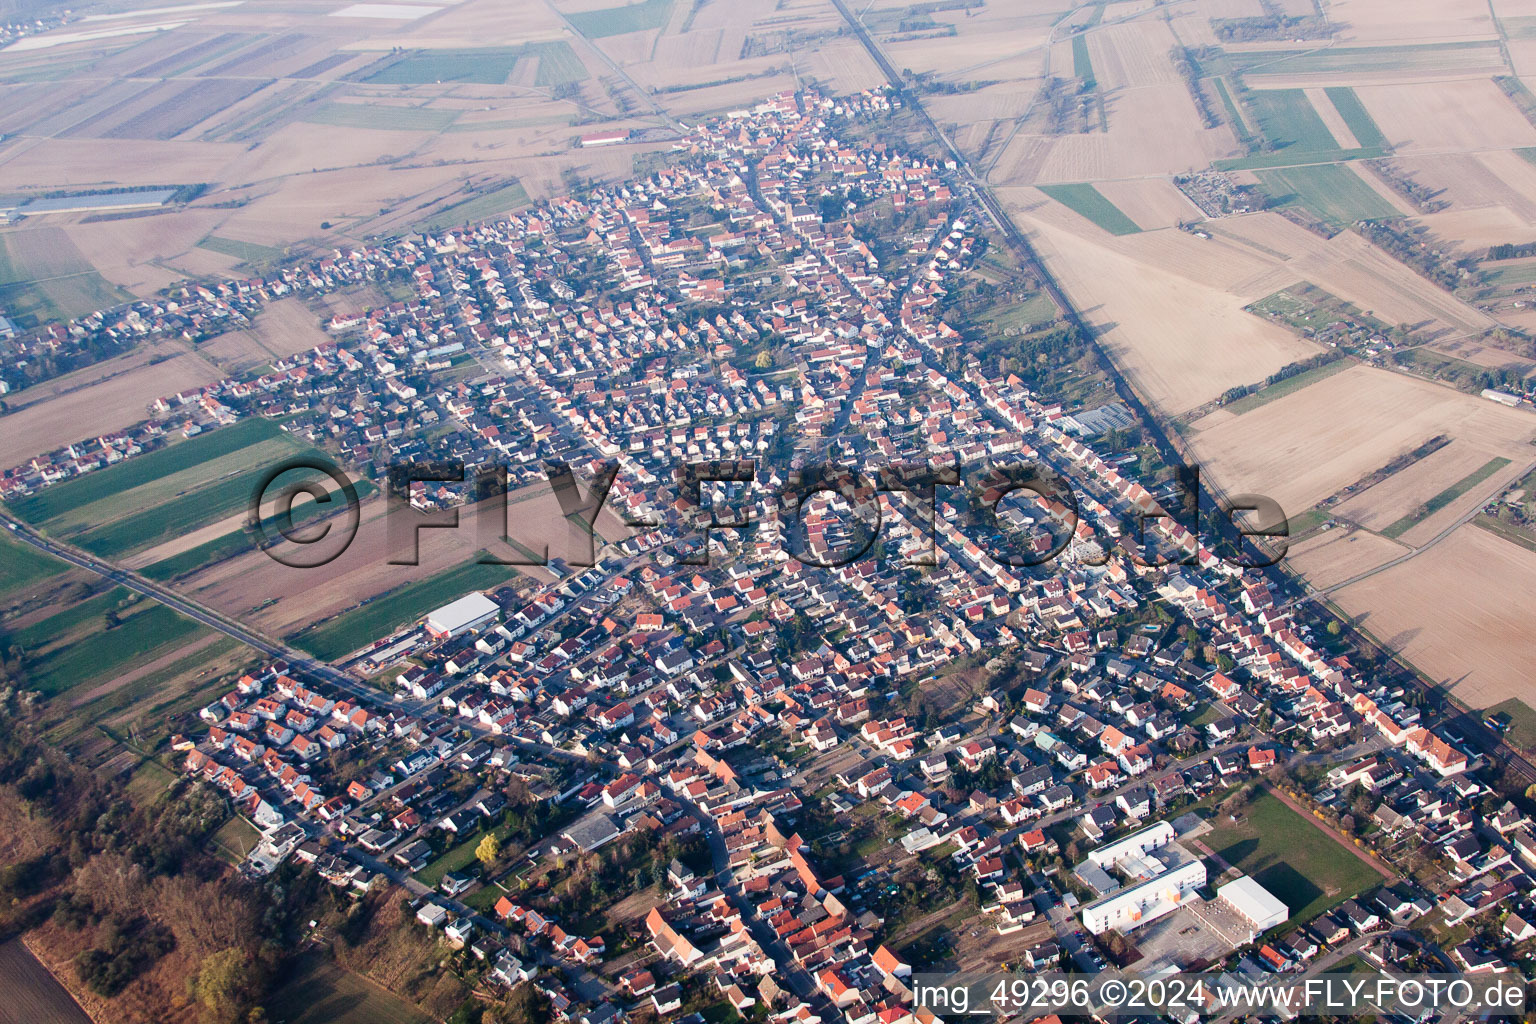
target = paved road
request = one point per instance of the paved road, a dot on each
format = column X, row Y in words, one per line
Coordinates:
column 789, row 971
column 1459, row 522
column 301, row 664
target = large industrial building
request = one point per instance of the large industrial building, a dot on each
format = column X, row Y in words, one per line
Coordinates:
column 1138, row 879
column 461, row 616
column 1254, row 904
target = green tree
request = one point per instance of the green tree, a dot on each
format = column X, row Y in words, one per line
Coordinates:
column 223, row 986
column 488, row 850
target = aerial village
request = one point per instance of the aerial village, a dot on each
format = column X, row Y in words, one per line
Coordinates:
column 825, row 774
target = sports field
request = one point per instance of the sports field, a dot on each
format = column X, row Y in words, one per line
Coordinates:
column 1088, row 201
column 1299, row 863
column 1332, row 192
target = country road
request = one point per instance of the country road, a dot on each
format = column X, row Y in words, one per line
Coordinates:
column 1460, row 521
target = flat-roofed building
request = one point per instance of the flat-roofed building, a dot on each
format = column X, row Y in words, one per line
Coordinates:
column 469, row 612
column 1254, row 904
column 1139, row 879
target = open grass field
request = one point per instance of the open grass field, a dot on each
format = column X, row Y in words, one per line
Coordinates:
column 377, row 116
column 1274, row 391
column 1086, row 200
column 145, row 696
column 44, row 277
column 1288, row 120
column 478, row 208
column 492, row 65
column 71, row 650
column 1299, row 863
column 617, row 21
column 1082, row 63
column 320, row 991
column 353, row 629
column 144, row 470
column 1467, row 55
column 1359, row 120
column 1445, row 497
column 245, row 252
column 1332, row 192
column 22, row 565
column 1521, row 731
column 238, row 542
column 489, row 66
column 204, row 480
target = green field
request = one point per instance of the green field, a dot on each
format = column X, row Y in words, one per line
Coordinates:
column 84, row 651
column 246, row 252
column 242, row 540
column 321, row 991
column 459, row 856
column 1283, row 851
column 351, row 630
column 80, row 618
column 22, row 565
column 616, row 21
column 1082, row 64
column 492, row 65
column 558, row 64
column 1331, row 192
column 1444, row 498
column 1360, row 122
column 1234, row 115
column 1522, row 722
column 1510, row 273
column 129, row 507
column 1288, row 386
column 1460, row 56
column 1084, row 199
column 478, row 208
column 145, row 469
column 1288, row 120
column 380, row 117
column 180, row 686
column 57, row 285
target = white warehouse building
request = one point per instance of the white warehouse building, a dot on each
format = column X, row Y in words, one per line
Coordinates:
column 1159, row 876
column 1254, row 904
column 463, row 615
